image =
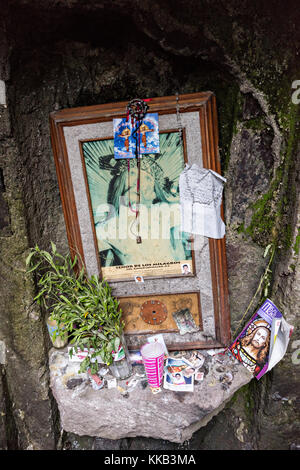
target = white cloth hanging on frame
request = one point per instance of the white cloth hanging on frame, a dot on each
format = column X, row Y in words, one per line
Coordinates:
column 200, row 191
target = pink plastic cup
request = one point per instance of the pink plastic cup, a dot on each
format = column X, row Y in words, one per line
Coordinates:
column 153, row 359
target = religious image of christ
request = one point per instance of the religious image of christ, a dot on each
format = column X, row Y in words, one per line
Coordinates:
column 253, row 348
column 117, row 235
column 113, row 186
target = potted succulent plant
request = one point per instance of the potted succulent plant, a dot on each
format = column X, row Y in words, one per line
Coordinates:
column 83, row 307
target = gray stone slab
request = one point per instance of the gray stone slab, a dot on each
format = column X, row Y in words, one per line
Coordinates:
column 169, row 415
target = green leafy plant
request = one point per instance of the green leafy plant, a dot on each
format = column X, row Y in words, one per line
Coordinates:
column 80, row 305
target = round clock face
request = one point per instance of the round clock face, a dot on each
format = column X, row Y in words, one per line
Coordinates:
column 153, row 312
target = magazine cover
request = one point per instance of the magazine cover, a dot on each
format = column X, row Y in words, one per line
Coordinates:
column 252, row 346
column 179, row 375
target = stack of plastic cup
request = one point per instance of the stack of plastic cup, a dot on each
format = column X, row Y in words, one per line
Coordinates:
column 153, row 359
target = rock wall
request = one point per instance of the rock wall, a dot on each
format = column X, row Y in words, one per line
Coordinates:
column 71, row 53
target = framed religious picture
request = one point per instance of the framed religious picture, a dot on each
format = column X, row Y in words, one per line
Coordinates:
column 119, row 181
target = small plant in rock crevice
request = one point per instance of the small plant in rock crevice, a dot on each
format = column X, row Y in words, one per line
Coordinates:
column 82, row 306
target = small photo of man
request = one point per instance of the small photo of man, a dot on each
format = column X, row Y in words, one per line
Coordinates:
column 178, row 379
column 139, row 278
column 185, row 268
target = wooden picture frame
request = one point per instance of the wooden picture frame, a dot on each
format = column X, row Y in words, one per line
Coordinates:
column 196, row 115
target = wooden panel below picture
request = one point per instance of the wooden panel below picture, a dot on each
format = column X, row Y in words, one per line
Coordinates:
column 153, row 313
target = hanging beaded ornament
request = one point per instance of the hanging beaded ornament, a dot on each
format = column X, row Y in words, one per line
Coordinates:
column 136, row 110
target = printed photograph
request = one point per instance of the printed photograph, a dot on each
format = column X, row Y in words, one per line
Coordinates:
column 185, row 321
column 112, row 185
column 196, row 359
column 252, row 346
column 127, row 137
column 186, row 269
column 178, row 375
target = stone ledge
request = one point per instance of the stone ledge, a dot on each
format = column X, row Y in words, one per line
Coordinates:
column 168, row 415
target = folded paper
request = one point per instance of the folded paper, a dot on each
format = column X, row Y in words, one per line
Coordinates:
column 200, row 191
